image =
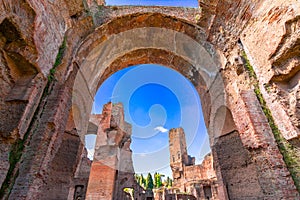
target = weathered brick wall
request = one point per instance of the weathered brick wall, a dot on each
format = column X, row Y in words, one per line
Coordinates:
column 29, row 45
column 81, row 177
column 45, row 136
column 278, row 64
column 101, row 181
column 62, row 168
column 47, row 36
column 203, row 171
column 105, row 14
column 268, row 31
column 239, row 172
column 112, row 167
column 264, row 30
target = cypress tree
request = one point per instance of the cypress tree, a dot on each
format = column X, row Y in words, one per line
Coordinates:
column 149, row 182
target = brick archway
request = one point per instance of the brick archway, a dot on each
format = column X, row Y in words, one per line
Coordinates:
column 180, row 45
column 155, row 39
column 240, row 154
column 105, row 52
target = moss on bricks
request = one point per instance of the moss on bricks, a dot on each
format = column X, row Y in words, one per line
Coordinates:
column 58, row 59
column 17, row 148
column 14, row 157
column 287, row 150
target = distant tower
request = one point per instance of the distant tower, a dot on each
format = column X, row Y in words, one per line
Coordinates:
column 178, row 154
column 179, row 157
column 178, row 150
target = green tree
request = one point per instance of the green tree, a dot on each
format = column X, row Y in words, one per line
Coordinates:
column 142, row 181
column 136, row 177
column 167, row 181
column 157, row 180
column 154, row 182
column 170, row 182
column 149, row 182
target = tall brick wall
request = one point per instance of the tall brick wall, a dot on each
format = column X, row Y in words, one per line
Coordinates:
column 203, row 171
column 63, row 168
column 267, row 31
column 112, row 167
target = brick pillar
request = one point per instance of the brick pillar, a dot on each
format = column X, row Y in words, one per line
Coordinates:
column 214, row 190
column 101, row 181
column 248, row 157
column 202, row 196
column 112, row 168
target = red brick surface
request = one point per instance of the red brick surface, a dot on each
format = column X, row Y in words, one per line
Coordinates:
column 32, row 31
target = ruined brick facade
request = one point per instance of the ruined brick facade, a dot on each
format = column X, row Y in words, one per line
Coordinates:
column 200, row 180
column 112, row 167
column 248, row 84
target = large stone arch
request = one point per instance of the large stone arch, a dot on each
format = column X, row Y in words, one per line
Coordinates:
column 105, row 52
column 95, row 63
column 172, row 43
column 142, row 38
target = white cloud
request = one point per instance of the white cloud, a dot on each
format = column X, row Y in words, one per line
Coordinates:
column 161, row 129
column 90, row 153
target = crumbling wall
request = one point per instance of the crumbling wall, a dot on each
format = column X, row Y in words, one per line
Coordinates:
column 79, row 183
column 203, row 171
column 188, row 177
column 259, row 40
column 29, row 44
column 63, row 167
column 112, row 167
column 265, row 31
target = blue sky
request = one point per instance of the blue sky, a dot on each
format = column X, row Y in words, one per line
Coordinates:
column 187, row 3
column 155, row 99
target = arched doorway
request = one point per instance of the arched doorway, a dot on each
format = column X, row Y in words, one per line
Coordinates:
column 149, row 42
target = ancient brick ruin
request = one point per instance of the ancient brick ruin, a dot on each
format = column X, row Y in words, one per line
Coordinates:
column 112, row 168
column 190, row 181
column 241, row 56
column 197, row 180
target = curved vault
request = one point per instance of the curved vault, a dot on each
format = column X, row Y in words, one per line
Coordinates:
column 173, row 43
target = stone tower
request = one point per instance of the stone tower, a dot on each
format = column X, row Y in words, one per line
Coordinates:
column 178, row 153
column 200, row 180
column 178, row 150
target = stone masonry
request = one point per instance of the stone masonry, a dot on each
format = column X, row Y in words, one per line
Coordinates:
column 196, row 180
column 112, row 167
column 241, row 56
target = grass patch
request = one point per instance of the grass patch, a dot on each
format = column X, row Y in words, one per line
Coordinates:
column 58, row 60
column 287, row 150
column 248, row 66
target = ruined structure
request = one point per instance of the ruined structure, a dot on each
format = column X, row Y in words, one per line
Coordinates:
column 78, row 185
column 112, row 168
column 241, row 56
column 196, row 180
